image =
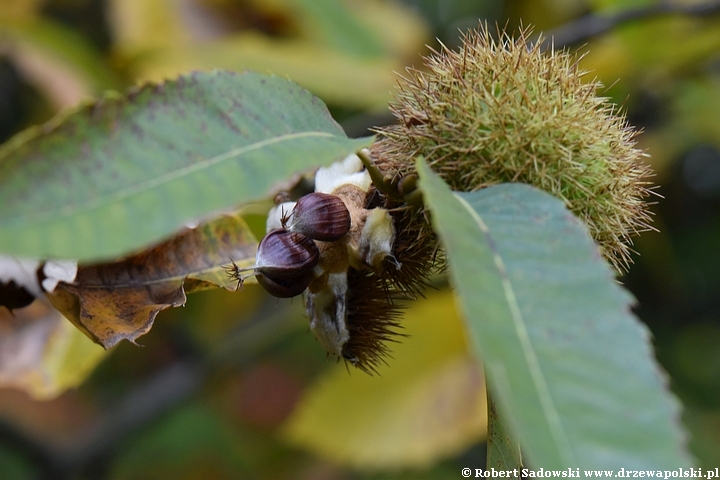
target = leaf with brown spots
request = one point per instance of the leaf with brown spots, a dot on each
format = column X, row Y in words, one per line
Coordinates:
column 124, row 172
column 119, row 300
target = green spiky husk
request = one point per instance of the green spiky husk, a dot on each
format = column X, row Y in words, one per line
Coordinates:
column 501, row 111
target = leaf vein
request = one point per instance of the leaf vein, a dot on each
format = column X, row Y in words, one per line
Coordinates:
column 119, row 196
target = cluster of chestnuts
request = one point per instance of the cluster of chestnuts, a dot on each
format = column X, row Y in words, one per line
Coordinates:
column 337, row 247
column 286, row 257
column 363, row 241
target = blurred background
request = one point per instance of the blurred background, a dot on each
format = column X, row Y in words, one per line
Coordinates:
column 234, row 385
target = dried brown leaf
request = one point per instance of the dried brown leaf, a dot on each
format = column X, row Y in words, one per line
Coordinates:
column 119, row 300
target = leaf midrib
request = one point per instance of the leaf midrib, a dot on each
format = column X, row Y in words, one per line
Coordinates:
column 539, row 381
column 193, row 274
column 155, row 182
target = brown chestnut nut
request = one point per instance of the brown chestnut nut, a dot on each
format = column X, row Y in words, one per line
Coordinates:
column 285, row 287
column 284, row 262
column 320, row 216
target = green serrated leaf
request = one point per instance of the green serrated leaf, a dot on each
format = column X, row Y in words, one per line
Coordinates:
column 567, row 363
column 124, row 172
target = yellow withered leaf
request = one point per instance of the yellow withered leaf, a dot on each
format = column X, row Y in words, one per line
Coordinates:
column 430, row 404
column 41, row 353
column 119, row 300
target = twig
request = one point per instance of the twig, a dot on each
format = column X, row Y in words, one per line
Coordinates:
column 593, row 25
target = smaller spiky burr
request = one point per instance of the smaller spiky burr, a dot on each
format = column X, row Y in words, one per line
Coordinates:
column 373, row 319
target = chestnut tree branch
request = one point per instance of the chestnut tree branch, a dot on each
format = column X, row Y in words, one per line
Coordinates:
column 592, row 25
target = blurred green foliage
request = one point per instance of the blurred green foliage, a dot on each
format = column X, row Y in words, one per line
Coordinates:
column 230, row 370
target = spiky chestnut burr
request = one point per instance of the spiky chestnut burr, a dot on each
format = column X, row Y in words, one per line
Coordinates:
column 373, row 319
column 502, row 110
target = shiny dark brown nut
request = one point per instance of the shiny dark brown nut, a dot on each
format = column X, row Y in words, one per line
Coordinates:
column 284, row 254
column 285, row 287
column 320, row 216
column 284, row 262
